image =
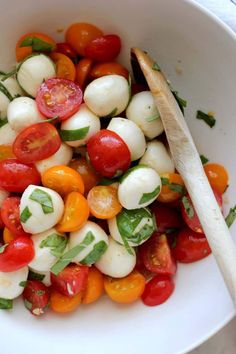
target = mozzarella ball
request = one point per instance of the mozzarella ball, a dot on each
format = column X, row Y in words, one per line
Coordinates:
column 116, row 262
column 62, row 157
column 47, row 276
column 131, row 134
column 107, row 95
column 4, row 102
column 10, row 287
column 40, row 209
column 80, row 127
column 93, row 242
column 132, row 226
column 23, row 112
column 45, row 255
column 157, row 157
column 143, row 111
column 139, row 187
column 12, row 87
column 7, row 135
column 3, row 195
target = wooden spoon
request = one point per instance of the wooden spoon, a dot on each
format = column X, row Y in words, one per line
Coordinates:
column 189, row 165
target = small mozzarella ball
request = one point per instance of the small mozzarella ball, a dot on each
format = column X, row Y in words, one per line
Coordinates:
column 143, row 111
column 13, row 87
column 7, row 135
column 139, row 187
column 33, row 71
column 116, row 262
column 41, row 208
column 81, row 126
column 23, row 112
column 93, row 241
column 62, row 157
column 4, row 102
column 47, row 276
column 10, row 287
column 157, row 157
column 131, row 134
column 3, row 195
column 107, row 95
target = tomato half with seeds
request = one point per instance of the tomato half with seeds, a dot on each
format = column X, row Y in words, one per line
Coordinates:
column 158, row 290
column 36, row 297
column 104, row 48
column 59, row 98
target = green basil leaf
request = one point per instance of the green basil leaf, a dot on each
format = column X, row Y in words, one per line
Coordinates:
column 204, row 159
column 27, row 42
column 44, row 199
column 231, row 216
column 2, row 248
column 156, row 67
column 28, row 304
column 57, row 244
column 165, row 181
column 181, row 102
column 2, row 72
column 5, row 91
column 10, row 74
column 97, row 251
column 188, row 207
column 3, row 122
column 152, row 118
column 23, row 283
column 35, row 276
column 175, row 187
column 112, row 114
column 207, row 118
column 38, row 45
column 146, row 197
column 6, row 304
column 106, row 181
column 25, row 215
column 72, row 135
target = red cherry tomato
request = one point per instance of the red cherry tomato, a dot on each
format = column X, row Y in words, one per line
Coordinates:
column 158, row 290
column 36, row 297
column 37, row 142
column 10, row 214
column 167, row 219
column 16, row 176
column 156, row 255
column 108, row 153
column 71, row 280
column 58, row 97
column 17, row 254
column 190, row 246
column 104, row 48
column 1, row 222
column 66, row 49
column 136, row 88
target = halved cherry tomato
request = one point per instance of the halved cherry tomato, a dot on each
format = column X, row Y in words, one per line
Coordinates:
column 157, row 256
column 125, row 290
column 108, row 153
column 110, row 68
column 76, row 213
column 82, row 71
column 65, row 68
column 66, row 49
column 167, row 219
column 16, row 176
column 63, row 180
column 71, row 280
column 42, row 43
column 6, row 152
column 10, row 213
column 172, row 187
column 158, row 290
column 62, row 304
column 36, row 297
column 8, row 236
column 78, row 35
column 103, row 202
column 190, row 246
column 104, row 48
column 59, row 98
column 218, row 176
column 17, row 254
column 37, row 142
column 94, row 288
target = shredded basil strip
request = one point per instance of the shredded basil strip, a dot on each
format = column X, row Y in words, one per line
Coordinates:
column 44, row 199
column 57, row 244
column 5, row 91
column 107, row 182
column 181, row 102
column 230, row 218
column 148, row 196
column 2, row 248
column 97, row 251
column 25, row 215
column 204, row 159
column 6, row 304
column 208, row 119
column 175, row 187
column 3, row 122
column 112, row 114
column 72, row 135
column 10, row 74
column 37, row 44
column 156, row 67
column 35, row 276
column 28, row 304
column 188, row 207
column 152, row 118
column 23, row 283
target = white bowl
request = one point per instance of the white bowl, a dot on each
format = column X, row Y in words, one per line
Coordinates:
column 181, row 36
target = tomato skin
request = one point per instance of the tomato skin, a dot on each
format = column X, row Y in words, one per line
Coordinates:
column 62, row 304
column 17, row 254
column 82, row 71
column 110, row 68
column 1, row 222
column 104, row 48
column 66, row 49
column 167, row 195
column 166, row 218
column 65, row 67
column 36, row 142
column 16, row 176
column 94, row 288
column 36, row 297
column 158, row 290
column 108, row 153
column 218, row 176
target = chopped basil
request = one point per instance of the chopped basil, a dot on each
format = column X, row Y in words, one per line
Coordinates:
column 57, row 244
column 207, row 118
column 231, row 216
column 181, row 102
column 156, row 67
column 106, row 181
column 2, row 72
column 35, row 276
column 3, row 122
column 2, row 248
column 37, row 44
column 10, row 74
column 25, row 215
column 40, row 292
column 204, row 159
column 188, row 207
column 6, row 304
column 28, row 304
column 44, row 199
column 5, row 91
column 175, row 187
column 152, row 118
column 97, row 251
column 23, row 283
column 146, row 197
column 112, row 114
column 72, row 135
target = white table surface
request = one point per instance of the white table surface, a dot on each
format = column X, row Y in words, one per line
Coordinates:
column 224, row 342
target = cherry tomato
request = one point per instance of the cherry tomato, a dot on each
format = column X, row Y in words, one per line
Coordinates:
column 59, row 98
column 94, row 288
column 82, row 71
column 8, row 236
column 6, row 152
column 17, row 254
column 172, row 187
column 158, row 290
column 104, row 48
column 167, row 219
column 36, row 297
column 1, row 224
column 36, row 142
column 108, row 153
column 110, row 68
column 78, row 35
column 62, row 304
column 65, row 68
column 16, row 176
column 66, row 49
column 136, row 88
column 218, row 176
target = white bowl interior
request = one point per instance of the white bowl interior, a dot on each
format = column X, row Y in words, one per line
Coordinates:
column 182, row 38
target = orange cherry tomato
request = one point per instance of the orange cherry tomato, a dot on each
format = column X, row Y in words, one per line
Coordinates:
column 79, row 35
column 76, row 213
column 127, row 289
column 89, row 176
column 8, row 236
column 217, row 176
column 83, row 69
column 65, row 67
column 172, row 187
column 109, row 68
column 63, row 180
column 103, row 202
column 6, row 152
column 23, row 52
column 95, row 286
column 63, row 304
